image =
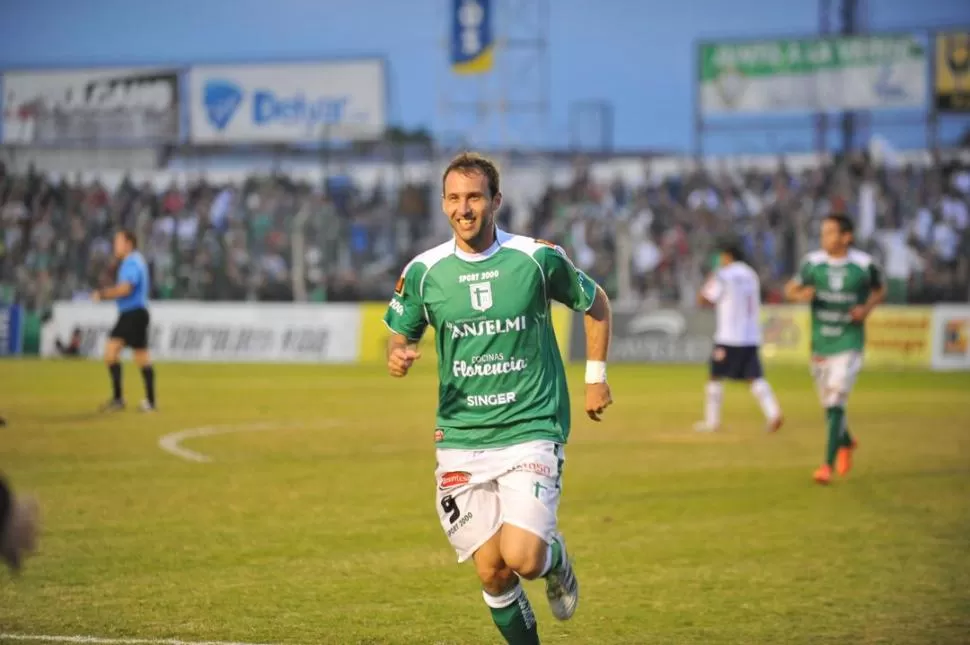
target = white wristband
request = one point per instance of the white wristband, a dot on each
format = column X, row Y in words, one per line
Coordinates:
column 596, row 371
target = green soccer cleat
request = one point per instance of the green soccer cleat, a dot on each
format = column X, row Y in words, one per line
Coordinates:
column 562, row 588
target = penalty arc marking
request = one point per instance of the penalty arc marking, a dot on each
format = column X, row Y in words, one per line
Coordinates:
column 171, row 443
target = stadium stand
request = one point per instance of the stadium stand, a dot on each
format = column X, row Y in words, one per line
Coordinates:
column 276, row 238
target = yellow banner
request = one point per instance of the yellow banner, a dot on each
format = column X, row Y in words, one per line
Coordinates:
column 895, row 336
column 951, row 85
column 786, row 334
column 899, row 337
column 374, row 333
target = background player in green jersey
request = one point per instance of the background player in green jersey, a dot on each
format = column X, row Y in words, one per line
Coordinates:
column 503, row 402
column 843, row 285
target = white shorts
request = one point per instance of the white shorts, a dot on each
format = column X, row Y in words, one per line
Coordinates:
column 479, row 490
column 835, row 375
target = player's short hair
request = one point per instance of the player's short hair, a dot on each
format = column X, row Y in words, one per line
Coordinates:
column 843, row 221
column 732, row 247
column 129, row 235
column 470, row 162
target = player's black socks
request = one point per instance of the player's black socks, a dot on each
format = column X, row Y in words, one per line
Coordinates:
column 148, row 375
column 115, row 370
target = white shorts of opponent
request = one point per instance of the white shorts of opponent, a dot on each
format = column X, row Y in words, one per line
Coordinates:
column 479, row 490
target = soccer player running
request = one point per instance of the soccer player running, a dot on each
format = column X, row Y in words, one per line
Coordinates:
column 843, row 285
column 735, row 291
column 131, row 330
column 503, row 403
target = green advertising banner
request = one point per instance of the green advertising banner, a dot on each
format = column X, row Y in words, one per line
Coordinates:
column 843, row 73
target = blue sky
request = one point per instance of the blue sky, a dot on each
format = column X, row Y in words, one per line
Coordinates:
column 635, row 55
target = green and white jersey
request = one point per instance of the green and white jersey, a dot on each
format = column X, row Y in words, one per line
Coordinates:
column 501, row 378
column 840, row 284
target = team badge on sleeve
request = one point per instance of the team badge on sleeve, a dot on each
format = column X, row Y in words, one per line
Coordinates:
column 399, row 286
column 555, row 247
column 558, row 249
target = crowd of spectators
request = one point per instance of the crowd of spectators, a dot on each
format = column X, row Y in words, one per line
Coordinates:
column 653, row 241
column 205, row 241
column 274, row 239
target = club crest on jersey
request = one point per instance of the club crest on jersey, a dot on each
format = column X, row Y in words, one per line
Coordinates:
column 836, row 279
column 481, row 294
column 399, row 286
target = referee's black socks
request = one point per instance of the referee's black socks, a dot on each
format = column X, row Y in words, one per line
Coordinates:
column 115, row 370
column 148, row 375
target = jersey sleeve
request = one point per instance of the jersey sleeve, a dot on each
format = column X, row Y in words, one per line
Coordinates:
column 405, row 311
column 875, row 276
column 565, row 283
column 713, row 289
column 805, row 276
column 129, row 272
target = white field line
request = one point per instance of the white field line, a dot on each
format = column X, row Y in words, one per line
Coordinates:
column 97, row 640
column 170, row 443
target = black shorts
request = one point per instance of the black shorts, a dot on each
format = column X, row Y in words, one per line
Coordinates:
column 132, row 328
column 738, row 363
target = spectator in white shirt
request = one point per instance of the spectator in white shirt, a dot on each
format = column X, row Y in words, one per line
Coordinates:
column 922, row 228
column 946, row 243
column 955, row 211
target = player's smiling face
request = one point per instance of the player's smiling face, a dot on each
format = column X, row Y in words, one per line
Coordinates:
column 470, row 207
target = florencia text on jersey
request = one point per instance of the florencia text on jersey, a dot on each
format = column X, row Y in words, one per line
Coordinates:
column 463, row 369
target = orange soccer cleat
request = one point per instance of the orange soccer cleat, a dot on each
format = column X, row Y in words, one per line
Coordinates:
column 823, row 475
column 843, row 460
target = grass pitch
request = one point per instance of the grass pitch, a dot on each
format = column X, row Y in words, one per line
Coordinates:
column 313, row 520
